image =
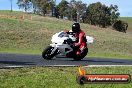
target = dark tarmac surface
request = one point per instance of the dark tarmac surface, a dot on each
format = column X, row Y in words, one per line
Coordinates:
column 36, row 60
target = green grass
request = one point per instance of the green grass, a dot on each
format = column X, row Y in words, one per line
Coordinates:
column 30, row 37
column 56, row 77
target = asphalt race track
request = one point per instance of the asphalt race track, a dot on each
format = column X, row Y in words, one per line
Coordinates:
column 18, row 60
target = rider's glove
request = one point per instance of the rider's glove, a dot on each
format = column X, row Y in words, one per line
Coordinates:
column 66, row 31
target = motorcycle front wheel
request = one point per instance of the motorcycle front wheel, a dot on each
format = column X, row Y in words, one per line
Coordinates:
column 47, row 53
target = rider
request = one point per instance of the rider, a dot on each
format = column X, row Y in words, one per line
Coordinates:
column 80, row 38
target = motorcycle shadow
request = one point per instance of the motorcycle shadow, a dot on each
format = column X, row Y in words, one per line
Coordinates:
column 89, row 59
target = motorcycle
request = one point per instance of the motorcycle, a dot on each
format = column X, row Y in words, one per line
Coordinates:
column 62, row 45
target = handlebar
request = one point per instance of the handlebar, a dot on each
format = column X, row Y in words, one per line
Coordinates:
column 70, row 33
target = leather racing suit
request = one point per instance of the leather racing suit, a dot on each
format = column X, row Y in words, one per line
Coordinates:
column 81, row 41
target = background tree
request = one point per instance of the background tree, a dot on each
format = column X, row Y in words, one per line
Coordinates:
column 24, row 4
column 70, row 9
column 63, row 8
column 114, row 13
column 120, row 26
column 101, row 15
column 80, row 8
column 94, row 14
column 42, row 6
column 34, row 6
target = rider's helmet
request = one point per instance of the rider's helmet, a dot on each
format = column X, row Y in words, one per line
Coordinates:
column 76, row 27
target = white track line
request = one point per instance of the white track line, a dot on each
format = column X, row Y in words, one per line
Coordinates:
column 86, row 66
column 14, row 66
column 68, row 66
column 107, row 65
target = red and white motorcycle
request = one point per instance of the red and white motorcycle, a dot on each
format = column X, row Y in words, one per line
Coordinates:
column 62, row 45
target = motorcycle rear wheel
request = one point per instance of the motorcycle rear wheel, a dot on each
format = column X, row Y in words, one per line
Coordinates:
column 80, row 57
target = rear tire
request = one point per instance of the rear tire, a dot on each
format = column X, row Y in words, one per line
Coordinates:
column 46, row 54
column 80, row 57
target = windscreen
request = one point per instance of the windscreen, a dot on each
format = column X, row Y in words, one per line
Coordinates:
column 62, row 34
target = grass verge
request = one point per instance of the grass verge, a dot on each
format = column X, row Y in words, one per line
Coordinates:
column 56, row 77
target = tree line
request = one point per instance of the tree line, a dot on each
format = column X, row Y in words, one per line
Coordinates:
column 96, row 14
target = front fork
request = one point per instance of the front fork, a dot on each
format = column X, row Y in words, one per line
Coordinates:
column 55, row 49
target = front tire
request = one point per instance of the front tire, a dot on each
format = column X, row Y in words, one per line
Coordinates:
column 46, row 54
